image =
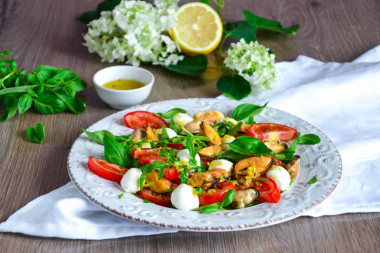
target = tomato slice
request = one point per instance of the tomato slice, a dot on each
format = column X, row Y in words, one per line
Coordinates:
column 173, row 175
column 268, row 191
column 139, row 119
column 178, row 146
column 149, row 159
column 106, row 170
column 140, row 152
column 217, row 196
column 264, row 131
column 162, row 199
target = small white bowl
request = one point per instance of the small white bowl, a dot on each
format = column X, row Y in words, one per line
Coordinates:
column 121, row 99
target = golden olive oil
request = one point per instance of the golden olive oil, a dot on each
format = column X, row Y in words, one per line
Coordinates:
column 124, row 84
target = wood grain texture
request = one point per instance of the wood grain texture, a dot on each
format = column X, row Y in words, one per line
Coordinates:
column 46, row 32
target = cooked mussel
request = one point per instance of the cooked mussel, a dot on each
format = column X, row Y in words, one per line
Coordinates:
column 204, row 180
column 259, row 166
column 275, row 145
column 244, row 197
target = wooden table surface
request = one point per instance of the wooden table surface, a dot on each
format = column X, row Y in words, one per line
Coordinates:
column 46, row 32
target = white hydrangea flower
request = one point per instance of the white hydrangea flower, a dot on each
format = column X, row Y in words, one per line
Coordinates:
column 135, row 32
column 253, row 62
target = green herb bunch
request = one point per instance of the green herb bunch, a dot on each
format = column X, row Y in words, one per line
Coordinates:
column 49, row 89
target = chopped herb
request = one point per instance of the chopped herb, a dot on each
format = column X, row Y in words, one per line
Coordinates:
column 313, row 180
column 147, row 201
column 121, row 195
column 261, row 179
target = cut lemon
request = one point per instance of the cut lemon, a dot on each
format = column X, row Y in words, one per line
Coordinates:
column 199, row 29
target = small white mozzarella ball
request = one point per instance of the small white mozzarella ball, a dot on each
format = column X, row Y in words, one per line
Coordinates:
column 130, row 180
column 171, row 132
column 226, row 140
column 228, row 120
column 184, row 156
column 182, row 119
column 146, row 145
column 221, row 164
column 280, row 176
column 183, row 198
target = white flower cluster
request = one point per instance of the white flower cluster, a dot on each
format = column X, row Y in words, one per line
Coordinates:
column 135, row 32
column 253, row 62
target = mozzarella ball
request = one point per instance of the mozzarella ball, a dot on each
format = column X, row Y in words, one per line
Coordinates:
column 182, row 119
column 221, row 164
column 280, row 176
column 226, row 140
column 130, row 180
column 171, row 132
column 184, row 156
column 183, row 198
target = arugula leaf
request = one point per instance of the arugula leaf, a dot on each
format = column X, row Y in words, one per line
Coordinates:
column 267, row 24
column 184, row 176
column 115, row 153
column 36, row 134
column 244, row 111
column 309, row 139
column 235, row 87
column 191, row 66
column 313, row 180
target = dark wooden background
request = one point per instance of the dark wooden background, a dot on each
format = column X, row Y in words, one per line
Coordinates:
column 46, row 32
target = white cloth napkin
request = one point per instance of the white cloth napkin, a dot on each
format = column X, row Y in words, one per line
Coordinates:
column 341, row 99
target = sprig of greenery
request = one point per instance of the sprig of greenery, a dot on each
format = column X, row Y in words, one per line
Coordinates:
column 227, row 200
column 49, row 89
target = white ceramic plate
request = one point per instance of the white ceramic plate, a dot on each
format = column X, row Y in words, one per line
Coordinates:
column 320, row 160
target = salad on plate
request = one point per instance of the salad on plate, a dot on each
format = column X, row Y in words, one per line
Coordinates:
column 205, row 162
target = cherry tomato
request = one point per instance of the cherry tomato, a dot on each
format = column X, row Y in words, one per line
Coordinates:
column 106, row 170
column 173, row 175
column 162, row 199
column 268, row 191
column 217, row 196
column 139, row 119
column 140, row 152
column 149, row 159
column 264, row 131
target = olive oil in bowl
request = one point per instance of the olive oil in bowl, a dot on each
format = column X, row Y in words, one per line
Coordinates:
column 124, row 84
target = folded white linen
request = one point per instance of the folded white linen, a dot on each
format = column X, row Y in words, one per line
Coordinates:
column 341, row 99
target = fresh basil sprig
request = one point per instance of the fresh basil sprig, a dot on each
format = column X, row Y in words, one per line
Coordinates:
column 309, row 139
column 37, row 133
column 169, row 114
column 116, row 153
column 313, row 180
column 49, row 89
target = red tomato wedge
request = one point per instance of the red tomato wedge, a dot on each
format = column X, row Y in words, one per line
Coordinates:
column 149, row 159
column 268, row 191
column 264, row 131
column 140, row 152
column 178, row 146
column 173, row 175
column 106, row 170
column 217, row 196
column 162, row 199
column 139, row 119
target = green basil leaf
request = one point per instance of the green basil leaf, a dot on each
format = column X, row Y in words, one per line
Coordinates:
column 313, row 180
column 24, row 103
column 115, row 153
column 98, row 136
column 49, row 103
column 244, row 111
column 210, row 209
column 288, row 155
column 74, row 104
column 37, row 133
column 235, row 87
column 268, row 24
column 309, row 139
column 248, row 145
column 169, row 114
column 235, row 129
column 240, row 30
column 191, row 66
column 231, row 156
column 227, row 200
column 10, row 102
column 46, row 72
column 13, row 64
